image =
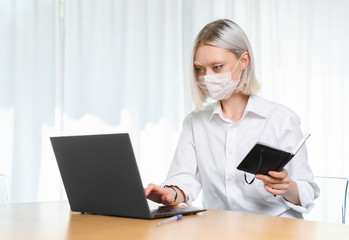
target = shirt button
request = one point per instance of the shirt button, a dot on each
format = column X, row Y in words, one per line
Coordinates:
column 230, row 178
column 230, row 153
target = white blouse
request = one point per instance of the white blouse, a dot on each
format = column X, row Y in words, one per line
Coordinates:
column 211, row 146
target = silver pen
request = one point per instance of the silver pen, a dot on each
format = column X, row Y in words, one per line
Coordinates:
column 171, row 219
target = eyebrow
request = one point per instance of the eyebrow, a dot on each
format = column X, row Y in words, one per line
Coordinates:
column 210, row 63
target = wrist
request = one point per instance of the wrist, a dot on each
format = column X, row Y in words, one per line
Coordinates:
column 292, row 194
column 175, row 192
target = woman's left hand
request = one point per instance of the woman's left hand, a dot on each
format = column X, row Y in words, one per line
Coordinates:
column 277, row 183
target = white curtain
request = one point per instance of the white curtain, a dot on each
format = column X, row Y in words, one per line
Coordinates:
column 88, row 66
column 27, row 93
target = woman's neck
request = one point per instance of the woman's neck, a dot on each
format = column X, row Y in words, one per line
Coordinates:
column 233, row 108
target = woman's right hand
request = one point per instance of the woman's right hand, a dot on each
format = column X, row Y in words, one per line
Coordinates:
column 160, row 194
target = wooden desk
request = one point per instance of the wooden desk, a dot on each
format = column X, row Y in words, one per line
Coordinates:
column 54, row 220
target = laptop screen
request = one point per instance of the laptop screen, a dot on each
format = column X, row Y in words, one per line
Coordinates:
column 100, row 175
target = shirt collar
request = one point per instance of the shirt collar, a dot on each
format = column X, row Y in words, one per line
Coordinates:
column 254, row 105
column 217, row 110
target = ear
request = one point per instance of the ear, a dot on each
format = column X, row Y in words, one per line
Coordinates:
column 244, row 60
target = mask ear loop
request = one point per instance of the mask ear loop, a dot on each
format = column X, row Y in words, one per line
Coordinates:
column 258, row 167
column 239, row 75
column 236, row 65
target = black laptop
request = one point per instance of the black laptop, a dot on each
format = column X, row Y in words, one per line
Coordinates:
column 100, row 176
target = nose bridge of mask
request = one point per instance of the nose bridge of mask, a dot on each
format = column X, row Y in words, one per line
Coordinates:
column 216, row 78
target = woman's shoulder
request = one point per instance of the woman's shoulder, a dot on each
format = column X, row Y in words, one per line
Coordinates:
column 204, row 113
column 275, row 109
column 207, row 110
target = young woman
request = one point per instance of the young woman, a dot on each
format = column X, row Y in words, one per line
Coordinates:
column 216, row 137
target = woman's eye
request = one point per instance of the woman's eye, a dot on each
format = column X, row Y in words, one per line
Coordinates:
column 198, row 70
column 217, row 67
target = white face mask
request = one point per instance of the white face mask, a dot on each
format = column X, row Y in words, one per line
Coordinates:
column 219, row 86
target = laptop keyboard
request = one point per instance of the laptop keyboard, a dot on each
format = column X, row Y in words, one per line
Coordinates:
column 165, row 211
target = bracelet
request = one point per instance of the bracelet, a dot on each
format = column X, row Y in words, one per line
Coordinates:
column 168, row 186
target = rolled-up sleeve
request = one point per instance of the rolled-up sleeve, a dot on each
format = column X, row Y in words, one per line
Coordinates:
column 298, row 168
column 183, row 171
column 308, row 192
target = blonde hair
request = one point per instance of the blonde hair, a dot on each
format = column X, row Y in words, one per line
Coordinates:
column 226, row 34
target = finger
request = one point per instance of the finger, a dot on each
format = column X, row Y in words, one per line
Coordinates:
column 147, row 190
column 261, row 177
column 150, row 188
column 282, row 174
column 279, row 186
column 268, row 179
column 274, row 191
